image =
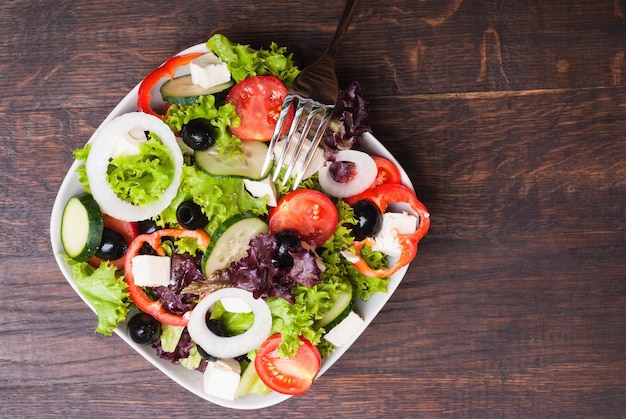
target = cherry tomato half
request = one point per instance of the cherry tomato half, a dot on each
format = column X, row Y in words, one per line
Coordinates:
column 287, row 375
column 388, row 172
column 308, row 213
column 257, row 101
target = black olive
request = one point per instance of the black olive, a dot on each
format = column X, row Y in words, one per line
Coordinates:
column 146, row 226
column 112, row 245
column 190, row 215
column 369, row 220
column 198, row 134
column 285, row 240
column 205, row 355
column 219, row 329
column 144, row 329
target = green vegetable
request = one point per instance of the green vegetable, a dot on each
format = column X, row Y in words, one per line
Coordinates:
column 81, row 227
column 170, row 335
column 221, row 198
column 141, row 178
column 244, row 62
column 105, row 289
column 221, row 118
column 235, row 323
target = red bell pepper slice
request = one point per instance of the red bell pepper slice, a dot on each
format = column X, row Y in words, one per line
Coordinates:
column 382, row 196
column 136, row 293
column 167, row 69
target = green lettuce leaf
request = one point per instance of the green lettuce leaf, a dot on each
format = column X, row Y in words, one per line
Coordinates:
column 142, row 178
column 105, row 289
column 221, row 118
column 244, row 62
column 170, row 336
column 219, row 197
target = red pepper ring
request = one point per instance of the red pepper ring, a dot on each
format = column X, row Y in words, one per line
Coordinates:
column 382, row 196
column 136, row 293
column 167, row 69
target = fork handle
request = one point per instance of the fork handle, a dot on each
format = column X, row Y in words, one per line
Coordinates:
column 342, row 27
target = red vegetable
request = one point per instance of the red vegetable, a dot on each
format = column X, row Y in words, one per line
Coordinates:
column 388, row 172
column 137, row 294
column 287, row 375
column 308, row 213
column 382, row 196
column 167, row 69
column 257, row 101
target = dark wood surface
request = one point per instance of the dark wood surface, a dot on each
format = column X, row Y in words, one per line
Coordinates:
column 510, row 119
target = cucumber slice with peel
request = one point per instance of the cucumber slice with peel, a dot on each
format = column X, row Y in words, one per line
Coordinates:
column 339, row 311
column 81, row 227
column 182, row 91
column 247, row 166
column 230, row 242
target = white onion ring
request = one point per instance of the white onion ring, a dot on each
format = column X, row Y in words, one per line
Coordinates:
column 102, row 147
column 232, row 346
column 366, row 172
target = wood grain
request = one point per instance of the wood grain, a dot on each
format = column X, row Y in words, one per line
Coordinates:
column 507, row 116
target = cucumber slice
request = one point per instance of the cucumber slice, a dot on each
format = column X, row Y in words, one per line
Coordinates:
column 230, row 242
column 339, row 311
column 81, row 227
column 182, row 91
column 248, row 166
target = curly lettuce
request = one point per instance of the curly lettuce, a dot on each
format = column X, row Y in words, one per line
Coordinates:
column 244, row 62
column 219, row 197
column 105, row 289
column 142, row 178
column 221, row 118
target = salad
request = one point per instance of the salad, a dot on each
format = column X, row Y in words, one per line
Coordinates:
column 179, row 237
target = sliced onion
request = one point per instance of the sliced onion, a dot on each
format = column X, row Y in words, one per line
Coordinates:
column 231, row 346
column 366, row 172
column 102, row 146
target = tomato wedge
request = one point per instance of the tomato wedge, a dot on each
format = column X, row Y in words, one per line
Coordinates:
column 257, row 101
column 388, row 172
column 308, row 213
column 287, row 375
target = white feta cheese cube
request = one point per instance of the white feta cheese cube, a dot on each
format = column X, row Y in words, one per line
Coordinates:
column 221, row 378
column 401, row 222
column 128, row 144
column 393, row 224
column 340, row 334
column 208, row 71
column 260, row 188
column 151, row 270
column 235, row 305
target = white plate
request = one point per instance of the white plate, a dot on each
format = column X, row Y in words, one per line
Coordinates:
column 192, row 380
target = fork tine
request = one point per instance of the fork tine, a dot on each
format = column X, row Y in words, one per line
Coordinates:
column 284, row 110
column 319, row 133
column 312, row 111
column 300, row 108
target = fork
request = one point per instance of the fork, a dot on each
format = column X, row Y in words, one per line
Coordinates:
column 314, row 93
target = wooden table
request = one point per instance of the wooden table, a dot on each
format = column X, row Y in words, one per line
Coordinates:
column 509, row 117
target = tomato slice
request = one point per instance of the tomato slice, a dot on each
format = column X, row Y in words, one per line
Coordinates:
column 388, row 172
column 308, row 213
column 257, row 101
column 287, row 375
